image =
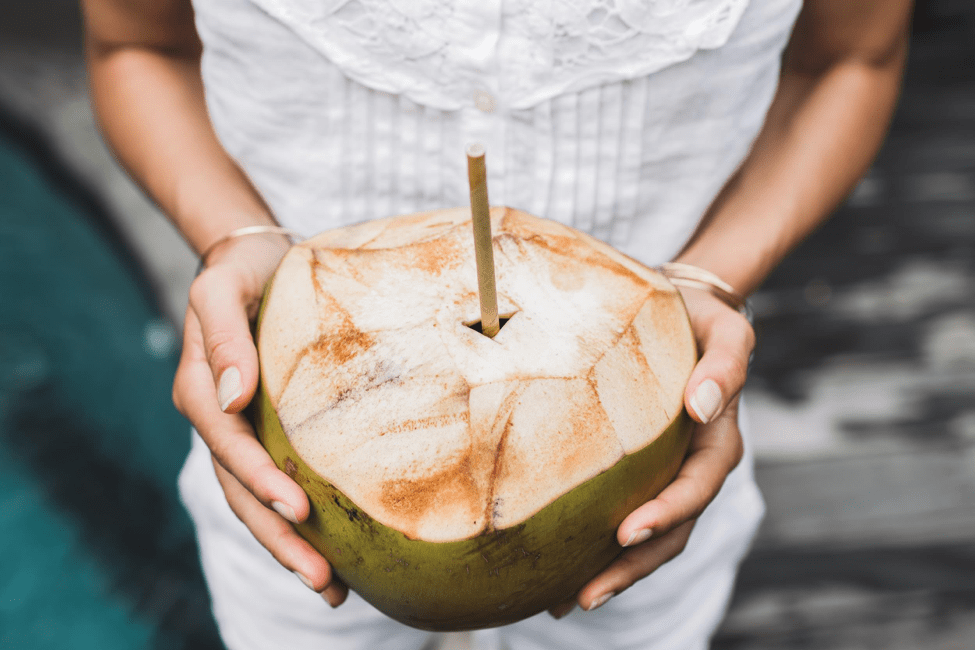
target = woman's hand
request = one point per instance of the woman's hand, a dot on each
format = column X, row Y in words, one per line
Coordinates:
column 216, row 379
column 658, row 530
column 839, row 83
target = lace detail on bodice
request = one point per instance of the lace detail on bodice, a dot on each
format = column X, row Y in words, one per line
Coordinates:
column 437, row 52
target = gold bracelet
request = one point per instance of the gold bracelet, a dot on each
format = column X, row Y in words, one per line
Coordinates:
column 244, row 232
column 688, row 275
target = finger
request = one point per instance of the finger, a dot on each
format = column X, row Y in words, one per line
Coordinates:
column 277, row 536
column 230, row 438
column 634, row 564
column 727, row 341
column 562, row 609
column 715, row 450
column 191, row 353
column 221, row 298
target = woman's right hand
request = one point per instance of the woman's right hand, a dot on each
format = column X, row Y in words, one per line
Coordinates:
column 217, row 377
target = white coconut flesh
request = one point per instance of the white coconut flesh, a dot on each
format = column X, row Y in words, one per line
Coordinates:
column 436, row 430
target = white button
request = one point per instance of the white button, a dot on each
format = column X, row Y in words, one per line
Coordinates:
column 484, row 101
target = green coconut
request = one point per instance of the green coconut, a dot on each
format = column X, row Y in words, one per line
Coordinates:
column 459, row 481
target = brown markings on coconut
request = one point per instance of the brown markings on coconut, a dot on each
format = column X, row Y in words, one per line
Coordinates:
column 290, row 468
column 437, row 255
column 492, row 503
column 353, row 513
column 313, row 265
column 440, row 224
column 666, row 322
column 373, row 379
column 432, row 256
column 435, row 421
column 329, row 350
column 505, row 412
column 640, row 357
column 568, row 251
column 581, row 426
column 632, row 314
column 492, row 547
column 340, row 345
column 336, row 346
column 451, row 484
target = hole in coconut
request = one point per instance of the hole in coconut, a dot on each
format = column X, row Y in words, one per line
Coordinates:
column 502, row 319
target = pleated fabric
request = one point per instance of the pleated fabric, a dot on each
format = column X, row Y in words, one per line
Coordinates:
column 635, row 162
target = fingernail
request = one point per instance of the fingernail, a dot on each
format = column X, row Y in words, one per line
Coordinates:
column 706, row 400
column 304, row 580
column 285, row 511
column 599, row 602
column 639, row 536
column 229, row 388
column 329, row 599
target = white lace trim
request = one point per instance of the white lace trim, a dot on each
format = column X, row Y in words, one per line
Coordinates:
column 437, row 52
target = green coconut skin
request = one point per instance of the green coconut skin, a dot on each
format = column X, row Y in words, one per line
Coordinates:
column 496, row 578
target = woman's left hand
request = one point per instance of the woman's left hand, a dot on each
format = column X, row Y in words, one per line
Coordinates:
column 658, row 531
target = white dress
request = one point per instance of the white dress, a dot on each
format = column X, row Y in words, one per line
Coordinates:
column 623, row 118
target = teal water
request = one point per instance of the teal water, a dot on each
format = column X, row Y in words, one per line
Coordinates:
column 95, row 549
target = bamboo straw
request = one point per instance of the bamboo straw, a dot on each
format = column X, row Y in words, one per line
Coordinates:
column 483, row 248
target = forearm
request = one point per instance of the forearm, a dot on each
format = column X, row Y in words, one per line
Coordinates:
column 151, row 109
column 821, row 134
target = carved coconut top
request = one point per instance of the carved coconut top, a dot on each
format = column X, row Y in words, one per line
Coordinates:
column 436, row 430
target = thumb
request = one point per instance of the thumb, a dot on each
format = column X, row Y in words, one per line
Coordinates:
column 220, row 297
column 727, row 342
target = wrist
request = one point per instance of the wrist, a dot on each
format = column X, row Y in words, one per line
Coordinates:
column 246, row 249
column 737, row 258
column 688, row 276
column 262, row 244
column 253, row 251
